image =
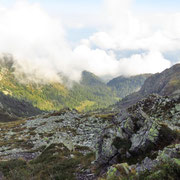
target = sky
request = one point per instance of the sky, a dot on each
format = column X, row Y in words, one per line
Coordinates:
column 107, row 37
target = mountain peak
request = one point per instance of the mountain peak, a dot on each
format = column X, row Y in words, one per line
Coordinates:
column 91, row 79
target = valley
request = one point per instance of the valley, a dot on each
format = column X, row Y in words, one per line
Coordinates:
column 89, row 90
column 135, row 138
column 89, row 94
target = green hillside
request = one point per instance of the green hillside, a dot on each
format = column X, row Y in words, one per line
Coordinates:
column 127, row 85
column 54, row 96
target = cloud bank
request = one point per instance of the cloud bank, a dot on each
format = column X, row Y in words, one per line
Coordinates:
column 38, row 42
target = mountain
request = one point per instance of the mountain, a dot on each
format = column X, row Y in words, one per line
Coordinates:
column 139, row 138
column 90, row 93
column 127, row 85
column 166, row 83
column 89, row 79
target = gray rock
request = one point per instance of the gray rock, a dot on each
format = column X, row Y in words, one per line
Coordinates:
column 147, row 136
column 146, row 164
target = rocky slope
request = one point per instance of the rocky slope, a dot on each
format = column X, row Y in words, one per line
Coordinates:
column 166, row 83
column 139, row 141
column 127, row 85
column 107, row 145
column 140, row 133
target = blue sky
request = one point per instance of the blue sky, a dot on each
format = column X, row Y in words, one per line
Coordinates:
column 95, row 5
column 157, row 5
column 167, row 5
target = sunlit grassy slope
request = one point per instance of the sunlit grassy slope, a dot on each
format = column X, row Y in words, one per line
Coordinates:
column 90, row 94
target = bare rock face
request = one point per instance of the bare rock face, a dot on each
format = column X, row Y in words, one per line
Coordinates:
column 143, row 128
column 168, row 156
column 146, row 137
column 165, row 83
column 105, row 148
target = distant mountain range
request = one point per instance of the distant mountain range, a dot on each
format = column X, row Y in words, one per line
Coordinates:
column 127, row 85
column 89, row 94
column 138, row 139
column 166, row 83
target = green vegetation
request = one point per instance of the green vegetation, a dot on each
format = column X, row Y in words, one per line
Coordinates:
column 90, row 93
column 167, row 170
column 127, row 85
column 56, row 162
column 84, row 105
column 174, row 83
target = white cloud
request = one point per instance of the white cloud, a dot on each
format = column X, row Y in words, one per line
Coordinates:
column 151, row 62
column 103, row 40
column 104, row 63
column 126, row 30
column 39, row 45
column 33, row 38
column 98, row 61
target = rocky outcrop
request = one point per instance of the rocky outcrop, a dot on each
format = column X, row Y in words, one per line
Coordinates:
column 140, row 132
column 148, row 168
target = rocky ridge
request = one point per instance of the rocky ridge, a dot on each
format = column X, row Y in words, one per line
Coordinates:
column 145, row 136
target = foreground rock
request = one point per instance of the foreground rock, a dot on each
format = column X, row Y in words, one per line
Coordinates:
column 140, row 132
column 165, row 166
column 72, row 145
column 68, row 127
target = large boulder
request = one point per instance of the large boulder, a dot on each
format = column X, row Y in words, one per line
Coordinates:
column 145, row 138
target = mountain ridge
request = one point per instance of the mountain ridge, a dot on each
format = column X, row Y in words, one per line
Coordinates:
column 89, row 94
column 54, row 95
column 127, row 85
column 166, row 83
